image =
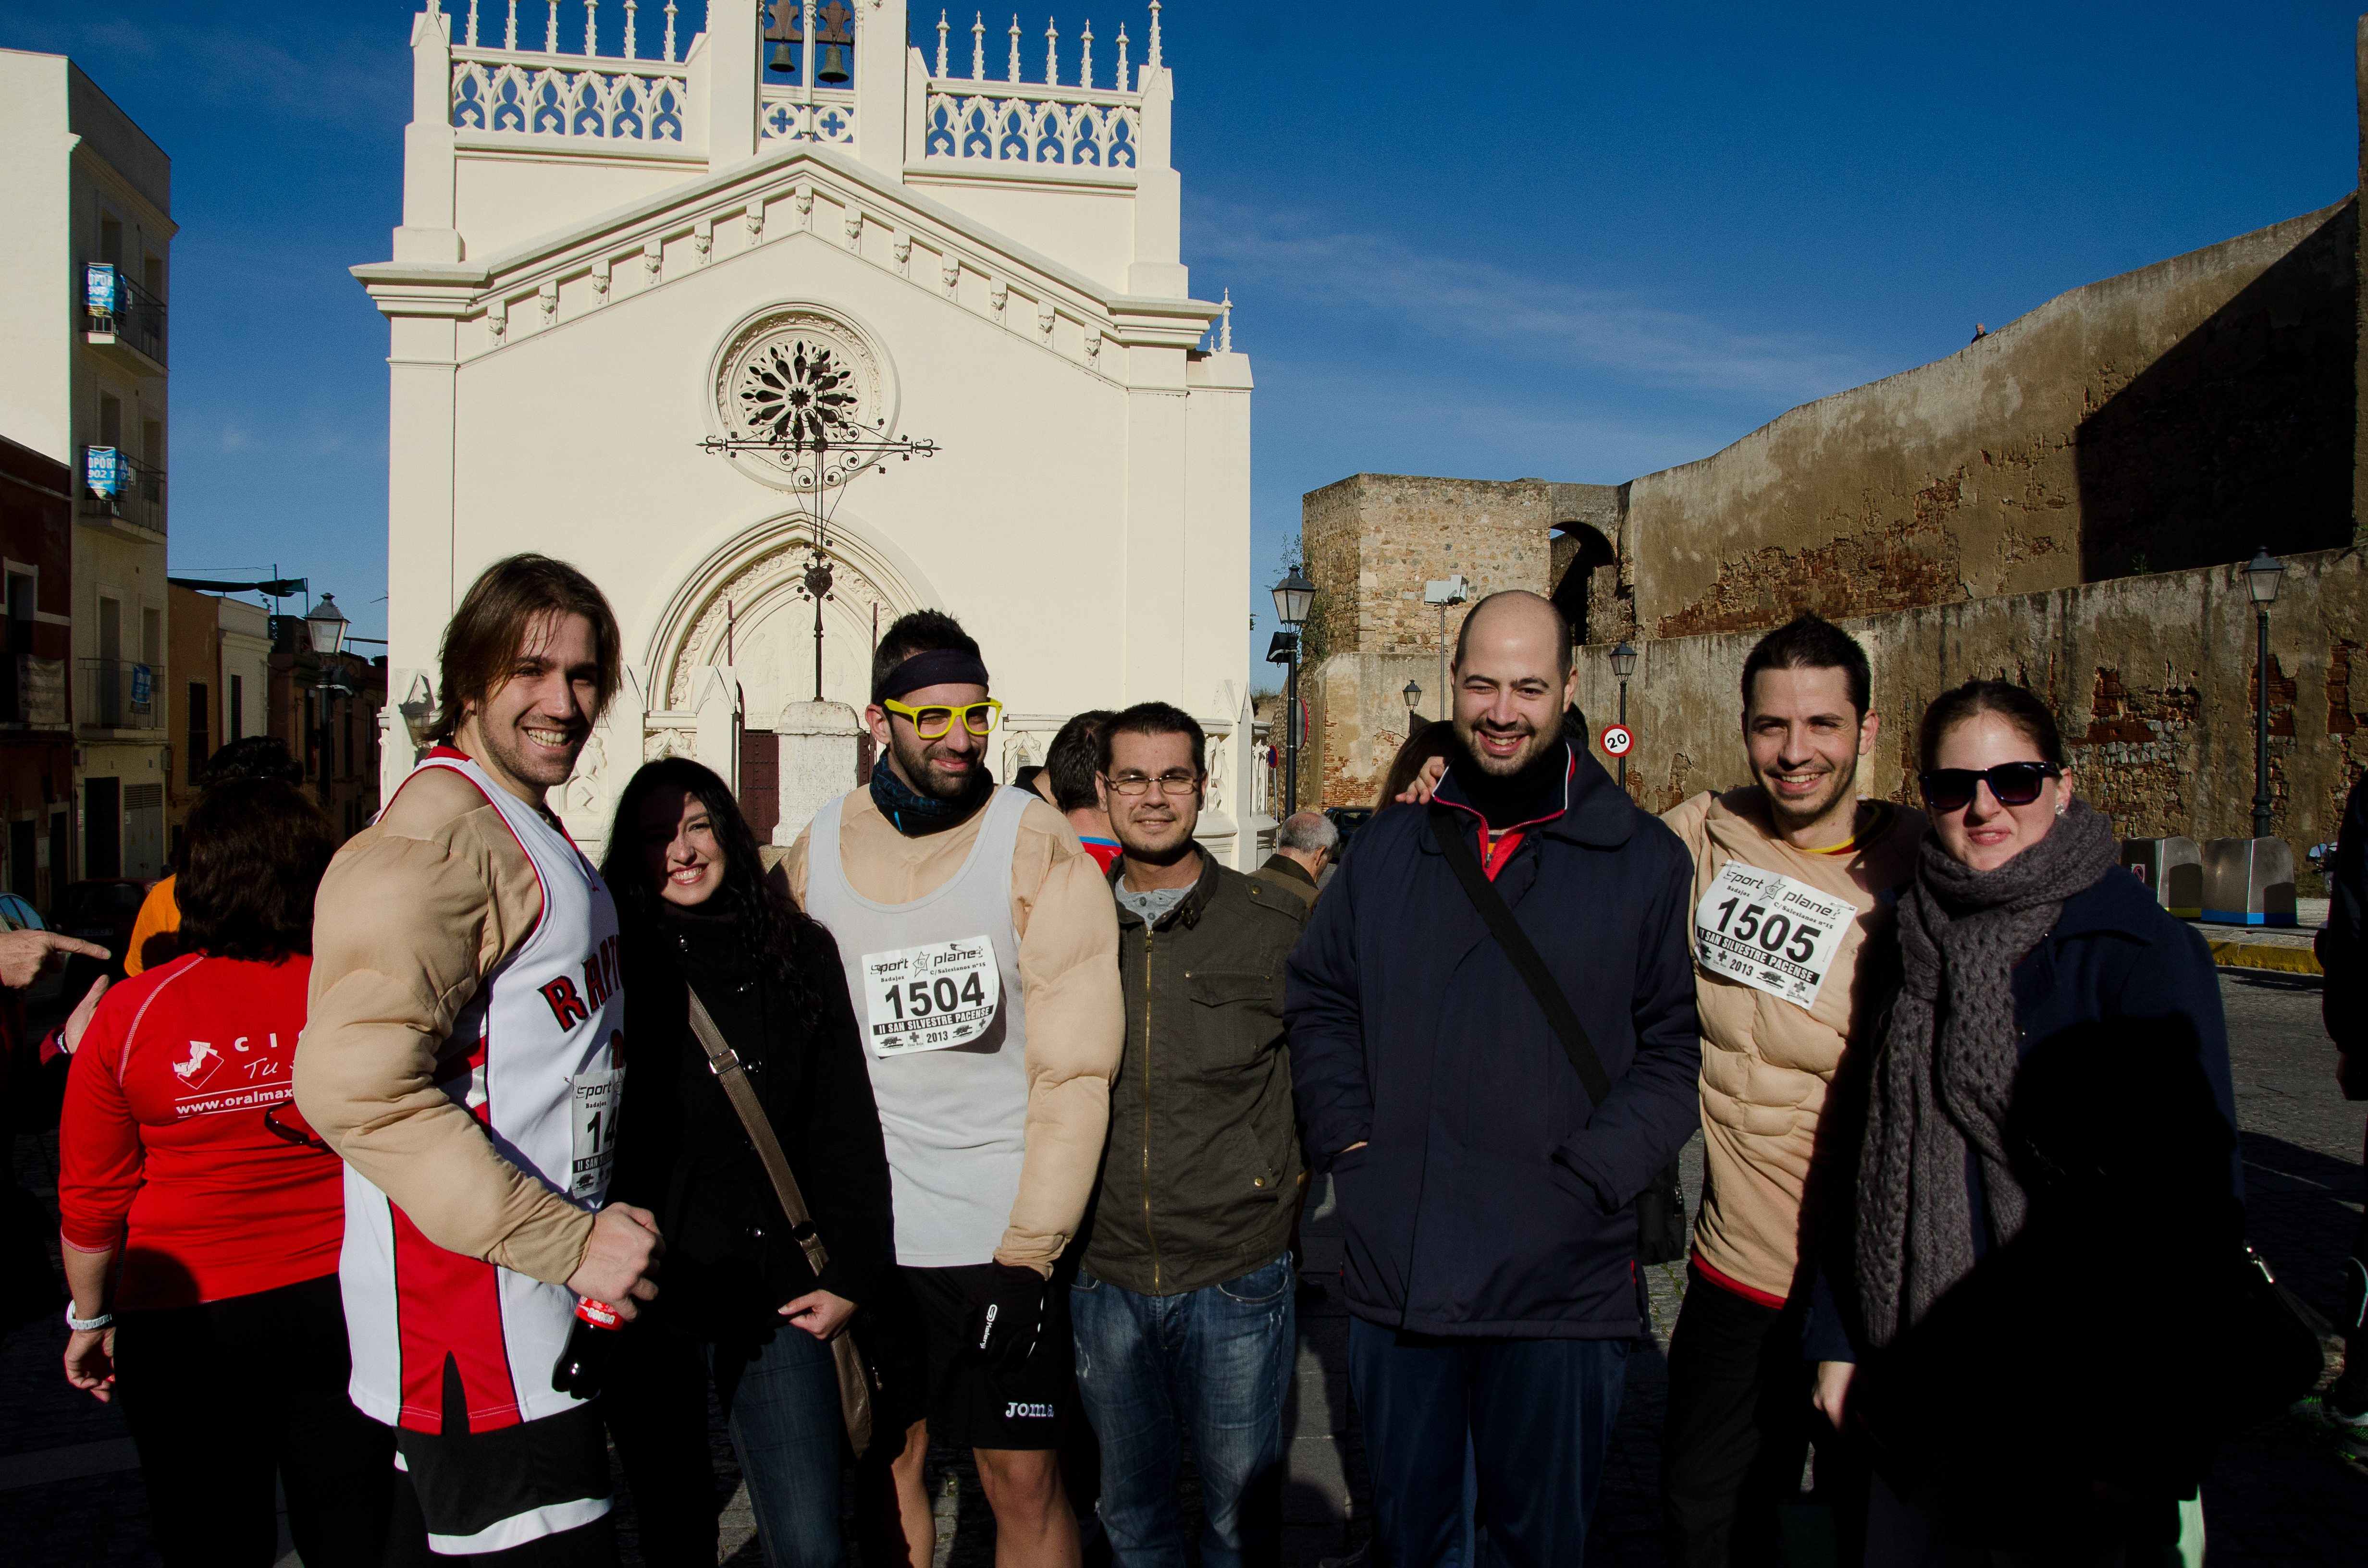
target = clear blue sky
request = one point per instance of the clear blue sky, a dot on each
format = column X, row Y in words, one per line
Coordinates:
column 1574, row 241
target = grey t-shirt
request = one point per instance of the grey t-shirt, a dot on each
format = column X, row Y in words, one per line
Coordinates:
column 1152, row 906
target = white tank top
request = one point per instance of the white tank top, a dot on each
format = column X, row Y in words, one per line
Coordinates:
column 952, row 1081
column 541, row 1070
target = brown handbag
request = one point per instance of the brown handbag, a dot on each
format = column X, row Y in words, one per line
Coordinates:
column 855, row 1378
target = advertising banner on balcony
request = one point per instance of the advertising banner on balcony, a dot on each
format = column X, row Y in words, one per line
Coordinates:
column 98, row 288
column 103, row 471
column 41, row 691
column 142, row 685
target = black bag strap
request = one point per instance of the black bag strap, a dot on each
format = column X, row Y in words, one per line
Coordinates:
column 1447, row 833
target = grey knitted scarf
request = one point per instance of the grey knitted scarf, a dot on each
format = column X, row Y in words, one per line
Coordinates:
column 1945, row 1065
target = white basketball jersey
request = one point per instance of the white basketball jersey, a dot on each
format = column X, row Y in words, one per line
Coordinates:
column 538, row 1057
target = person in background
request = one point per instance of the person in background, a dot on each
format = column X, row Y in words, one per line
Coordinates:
column 1304, row 845
column 256, row 756
column 742, row 1310
column 2343, row 958
column 464, row 1056
column 980, row 946
column 1069, row 782
column 1778, row 986
column 1488, row 1202
column 2033, row 1387
column 181, row 1158
column 1183, row 1302
column 1416, row 770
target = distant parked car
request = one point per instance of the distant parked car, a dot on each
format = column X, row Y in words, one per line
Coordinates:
column 18, row 914
column 101, row 910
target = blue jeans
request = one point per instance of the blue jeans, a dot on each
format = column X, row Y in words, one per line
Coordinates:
column 781, row 1396
column 1535, row 1417
column 1215, row 1362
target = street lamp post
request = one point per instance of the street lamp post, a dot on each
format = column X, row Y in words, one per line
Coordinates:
column 1292, row 597
column 1412, row 695
column 2261, row 577
column 1623, row 664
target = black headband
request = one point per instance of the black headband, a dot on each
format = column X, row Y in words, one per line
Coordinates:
column 938, row 666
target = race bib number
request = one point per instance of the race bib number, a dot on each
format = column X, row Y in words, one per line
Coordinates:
column 595, row 1098
column 1769, row 932
column 931, row 997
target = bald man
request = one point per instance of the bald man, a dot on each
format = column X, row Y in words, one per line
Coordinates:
column 1486, row 1162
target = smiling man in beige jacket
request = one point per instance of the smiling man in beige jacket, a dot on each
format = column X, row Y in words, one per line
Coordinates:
column 1793, row 878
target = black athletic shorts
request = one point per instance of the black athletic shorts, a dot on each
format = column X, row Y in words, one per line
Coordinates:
column 486, row 1492
column 927, row 1369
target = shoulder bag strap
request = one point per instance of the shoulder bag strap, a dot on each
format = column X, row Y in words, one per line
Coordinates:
column 724, row 1062
column 856, row 1379
column 1449, row 835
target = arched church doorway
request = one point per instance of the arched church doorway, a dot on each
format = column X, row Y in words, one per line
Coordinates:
column 1584, row 571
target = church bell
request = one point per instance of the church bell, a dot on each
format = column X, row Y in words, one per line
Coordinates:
column 835, row 36
column 786, row 34
column 834, row 66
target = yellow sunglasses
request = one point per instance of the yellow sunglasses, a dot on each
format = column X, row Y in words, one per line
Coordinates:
column 931, row 724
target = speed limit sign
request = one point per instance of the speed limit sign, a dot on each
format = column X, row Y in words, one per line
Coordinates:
column 1617, row 740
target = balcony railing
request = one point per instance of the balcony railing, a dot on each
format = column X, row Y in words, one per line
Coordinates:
column 118, row 308
column 116, row 487
column 121, row 694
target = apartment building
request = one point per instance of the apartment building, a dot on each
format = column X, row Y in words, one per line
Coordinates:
column 86, row 283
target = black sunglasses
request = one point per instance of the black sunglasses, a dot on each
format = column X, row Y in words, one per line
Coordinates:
column 2012, row 783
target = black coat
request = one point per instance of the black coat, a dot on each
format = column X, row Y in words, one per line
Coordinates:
column 682, row 1153
column 1492, row 1198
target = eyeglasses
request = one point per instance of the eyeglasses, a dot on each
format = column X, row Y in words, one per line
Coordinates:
column 931, row 723
column 305, row 1138
column 1175, row 782
column 2012, row 784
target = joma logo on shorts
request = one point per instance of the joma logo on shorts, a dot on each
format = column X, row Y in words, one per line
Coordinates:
column 1019, row 1410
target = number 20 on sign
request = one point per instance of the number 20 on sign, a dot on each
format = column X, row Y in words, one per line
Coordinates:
column 1617, row 740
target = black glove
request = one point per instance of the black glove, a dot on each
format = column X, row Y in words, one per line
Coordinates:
column 1007, row 1314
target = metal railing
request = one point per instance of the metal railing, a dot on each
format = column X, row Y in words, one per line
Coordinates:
column 121, row 694
column 119, row 487
column 114, row 303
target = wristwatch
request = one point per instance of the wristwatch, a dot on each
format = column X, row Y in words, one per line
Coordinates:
column 83, row 1326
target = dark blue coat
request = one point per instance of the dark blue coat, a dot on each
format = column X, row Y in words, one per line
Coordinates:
column 1492, row 1198
column 2113, row 955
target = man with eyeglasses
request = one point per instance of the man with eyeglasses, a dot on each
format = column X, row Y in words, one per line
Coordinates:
column 1792, row 880
column 980, row 950
column 1183, row 1300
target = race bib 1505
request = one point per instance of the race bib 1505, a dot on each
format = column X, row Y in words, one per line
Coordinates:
column 931, row 997
column 1769, row 932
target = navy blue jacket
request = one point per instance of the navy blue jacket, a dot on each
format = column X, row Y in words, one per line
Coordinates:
column 1492, row 1198
column 2112, row 954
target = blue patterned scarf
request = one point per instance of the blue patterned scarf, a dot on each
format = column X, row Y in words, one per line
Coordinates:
column 916, row 815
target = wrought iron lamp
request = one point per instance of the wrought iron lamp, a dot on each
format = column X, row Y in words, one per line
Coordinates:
column 1293, row 596
column 1623, row 664
column 2262, row 576
column 1412, row 695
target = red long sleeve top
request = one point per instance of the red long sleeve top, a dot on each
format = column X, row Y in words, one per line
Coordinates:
column 162, row 1146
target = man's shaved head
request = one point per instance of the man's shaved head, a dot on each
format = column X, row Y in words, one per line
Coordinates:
column 1522, row 603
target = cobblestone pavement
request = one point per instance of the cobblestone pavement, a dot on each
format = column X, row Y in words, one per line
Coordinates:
column 73, row 1498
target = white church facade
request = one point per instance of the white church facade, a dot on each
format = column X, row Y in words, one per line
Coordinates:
column 608, row 258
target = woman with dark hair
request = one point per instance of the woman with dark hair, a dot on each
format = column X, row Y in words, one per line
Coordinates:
column 181, row 1156
column 2048, row 1202
column 741, row 1308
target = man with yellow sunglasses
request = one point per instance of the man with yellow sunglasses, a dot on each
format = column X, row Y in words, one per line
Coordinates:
column 981, row 949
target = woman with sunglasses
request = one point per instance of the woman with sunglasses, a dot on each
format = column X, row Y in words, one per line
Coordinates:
column 741, row 1308
column 2032, row 967
column 202, row 1220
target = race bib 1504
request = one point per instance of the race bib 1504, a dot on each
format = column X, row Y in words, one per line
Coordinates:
column 1769, row 932
column 931, row 997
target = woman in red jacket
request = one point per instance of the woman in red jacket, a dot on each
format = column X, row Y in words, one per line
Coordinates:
column 202, row 1221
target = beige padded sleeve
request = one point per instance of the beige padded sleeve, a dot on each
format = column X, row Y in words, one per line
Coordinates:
column 414, row 914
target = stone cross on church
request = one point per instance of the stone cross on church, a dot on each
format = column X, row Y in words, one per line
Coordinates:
column 603, row 254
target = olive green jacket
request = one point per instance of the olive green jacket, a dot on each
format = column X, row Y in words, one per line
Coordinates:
column 1201, row 1176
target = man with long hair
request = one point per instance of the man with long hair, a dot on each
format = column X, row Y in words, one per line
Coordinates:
column 462, row 1056
column 981, row 952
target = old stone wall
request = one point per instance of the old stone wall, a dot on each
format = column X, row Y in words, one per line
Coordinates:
column 2170, row 417
column 2151, row 679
